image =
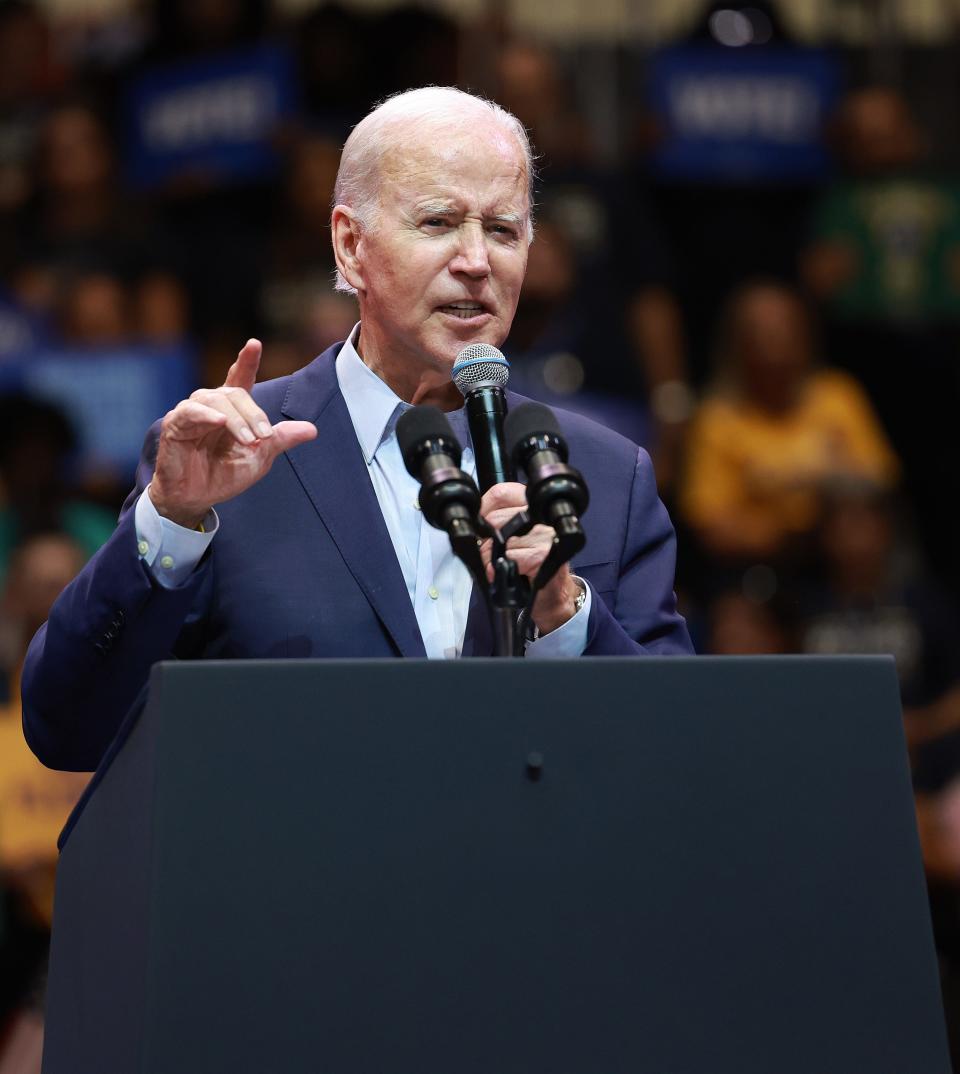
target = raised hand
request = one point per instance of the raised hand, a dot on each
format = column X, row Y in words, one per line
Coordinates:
column 218, row 443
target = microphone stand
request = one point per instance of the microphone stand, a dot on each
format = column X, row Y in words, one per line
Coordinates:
column 515, row 606
column 510, row 593
column 510, row 598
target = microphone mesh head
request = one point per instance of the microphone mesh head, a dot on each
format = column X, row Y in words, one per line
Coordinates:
column 480, row 363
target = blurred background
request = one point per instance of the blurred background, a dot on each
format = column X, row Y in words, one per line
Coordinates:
column 747, row 259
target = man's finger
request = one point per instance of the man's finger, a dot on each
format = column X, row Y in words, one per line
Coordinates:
column 528, row 560
column 498, row 519
column 244, row 425
column 243, row 372
column 506, row 494
column 190, row 419
column 256, row 419
column 539, row 537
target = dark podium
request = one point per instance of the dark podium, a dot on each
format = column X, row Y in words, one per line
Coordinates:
column 672, row 866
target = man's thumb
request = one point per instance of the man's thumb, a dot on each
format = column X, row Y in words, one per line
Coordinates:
column 289, row 434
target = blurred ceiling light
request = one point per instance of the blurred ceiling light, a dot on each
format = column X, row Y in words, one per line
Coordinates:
column 736, row 27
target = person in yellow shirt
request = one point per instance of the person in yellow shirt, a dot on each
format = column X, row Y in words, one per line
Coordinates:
column 34, row 801
column 773, row 430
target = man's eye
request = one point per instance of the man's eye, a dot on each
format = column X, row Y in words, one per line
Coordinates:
column 436, row 221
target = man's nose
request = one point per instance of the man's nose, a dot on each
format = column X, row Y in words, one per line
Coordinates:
column 472, row 256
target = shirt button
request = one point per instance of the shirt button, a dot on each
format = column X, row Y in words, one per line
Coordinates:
column 166, row 562
column 143, row 548
column 433, row 592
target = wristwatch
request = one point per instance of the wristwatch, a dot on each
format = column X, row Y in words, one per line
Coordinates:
column 533, row 631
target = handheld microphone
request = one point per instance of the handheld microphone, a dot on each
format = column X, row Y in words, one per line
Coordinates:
column 481, row 372
column 449, row 498
column 556, row 493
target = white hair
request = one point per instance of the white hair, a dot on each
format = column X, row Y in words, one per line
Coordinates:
column 383, row 129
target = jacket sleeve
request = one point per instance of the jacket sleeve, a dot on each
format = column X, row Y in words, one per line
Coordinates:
column 641, row 616
column 90, row 660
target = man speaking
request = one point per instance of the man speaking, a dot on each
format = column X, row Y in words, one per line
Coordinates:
column 280, row 521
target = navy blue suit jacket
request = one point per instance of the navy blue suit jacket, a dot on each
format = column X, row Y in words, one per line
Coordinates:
column 303, row 566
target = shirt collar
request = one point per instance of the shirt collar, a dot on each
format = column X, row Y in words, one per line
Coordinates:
column 374, row 406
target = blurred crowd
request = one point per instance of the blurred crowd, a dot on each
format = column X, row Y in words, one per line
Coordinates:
column 787, row 351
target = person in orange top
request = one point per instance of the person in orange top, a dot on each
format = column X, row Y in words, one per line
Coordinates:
column 772, row 431
column 34, row 801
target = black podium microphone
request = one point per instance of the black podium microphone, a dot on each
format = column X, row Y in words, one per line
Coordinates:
column 481, row 373
column 555, row 491
column 449, row 497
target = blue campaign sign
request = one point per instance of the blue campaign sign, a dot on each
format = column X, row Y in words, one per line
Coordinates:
column 216, row 116
column 730, row 115
column 112, row 396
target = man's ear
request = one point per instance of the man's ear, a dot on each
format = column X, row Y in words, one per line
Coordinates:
column 346, row 231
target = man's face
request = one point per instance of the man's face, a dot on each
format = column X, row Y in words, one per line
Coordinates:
column 443, row 262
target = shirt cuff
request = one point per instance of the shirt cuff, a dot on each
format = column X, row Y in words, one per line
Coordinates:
column 567, row 640
column 170, row 551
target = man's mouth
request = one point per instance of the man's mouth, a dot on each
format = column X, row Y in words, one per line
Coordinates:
column 464, row 310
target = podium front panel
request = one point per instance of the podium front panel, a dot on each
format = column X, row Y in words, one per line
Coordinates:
column 681, row 866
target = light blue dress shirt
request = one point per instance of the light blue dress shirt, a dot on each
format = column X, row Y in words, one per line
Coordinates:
column 438, row 584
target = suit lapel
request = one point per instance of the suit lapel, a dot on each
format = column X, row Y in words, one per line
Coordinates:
column 333, row 473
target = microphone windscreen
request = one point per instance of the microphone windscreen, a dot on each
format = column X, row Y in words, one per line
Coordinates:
column 480, row 364
column 422, row 423
column 526, row 420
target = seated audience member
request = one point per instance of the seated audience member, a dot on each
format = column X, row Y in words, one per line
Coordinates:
column 87, row 257
column 36, row 442
column 97, row 307
column 886, row 239
column 160, row 309
column 884, row 262
column 34, row 802
column 94, row 310
column 771, row 432
column 873, row 599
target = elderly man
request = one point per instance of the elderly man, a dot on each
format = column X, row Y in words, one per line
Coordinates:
column 316, row 547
